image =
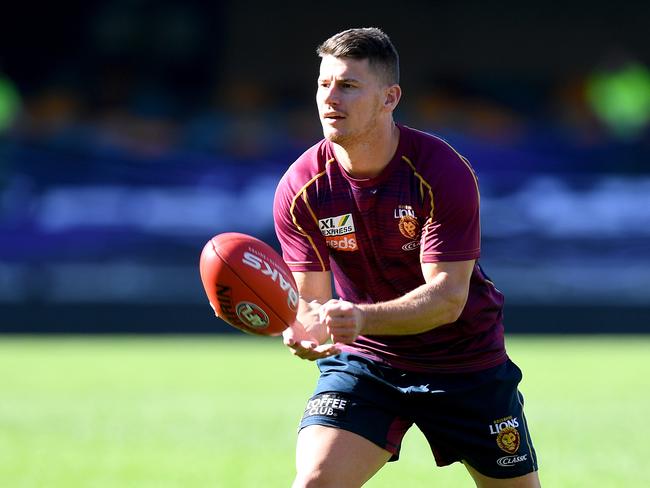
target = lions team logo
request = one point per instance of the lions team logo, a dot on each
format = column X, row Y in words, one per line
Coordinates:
column 508, row 440
column 408, row 224
column 409, row 227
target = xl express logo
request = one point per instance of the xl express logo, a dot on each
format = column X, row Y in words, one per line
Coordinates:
column 339, row 232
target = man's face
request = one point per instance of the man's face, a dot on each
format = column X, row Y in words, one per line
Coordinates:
column 350, row 99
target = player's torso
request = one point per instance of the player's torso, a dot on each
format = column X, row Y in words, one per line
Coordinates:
column 372, row 230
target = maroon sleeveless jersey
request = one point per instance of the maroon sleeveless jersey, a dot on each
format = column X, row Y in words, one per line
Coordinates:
column 373, row 234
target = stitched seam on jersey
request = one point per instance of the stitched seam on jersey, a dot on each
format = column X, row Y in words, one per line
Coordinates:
column 451, row 253
column 423, row 182
column 303, row 192
column 471, row 171
column 313, row 215
column 478, row 191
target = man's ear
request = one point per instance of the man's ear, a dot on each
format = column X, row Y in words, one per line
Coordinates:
column 392, row 97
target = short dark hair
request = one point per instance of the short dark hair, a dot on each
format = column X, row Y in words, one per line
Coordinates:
column 368, row 43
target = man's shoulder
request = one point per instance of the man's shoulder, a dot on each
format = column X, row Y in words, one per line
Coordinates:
column 427, row 143
column 308, row 165
column 431, row 154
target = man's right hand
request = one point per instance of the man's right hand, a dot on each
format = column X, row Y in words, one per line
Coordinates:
column 305, row 345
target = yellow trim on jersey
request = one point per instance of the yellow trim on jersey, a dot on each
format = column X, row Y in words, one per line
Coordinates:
column 423, row 183
column 478, row 192
column 303, row 193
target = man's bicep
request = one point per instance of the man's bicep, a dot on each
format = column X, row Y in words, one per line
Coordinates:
column 450, row 280
column 457, row 273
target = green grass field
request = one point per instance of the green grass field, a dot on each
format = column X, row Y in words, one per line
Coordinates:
column 222, row 412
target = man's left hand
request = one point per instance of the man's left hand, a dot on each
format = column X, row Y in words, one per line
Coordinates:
column 344, row 320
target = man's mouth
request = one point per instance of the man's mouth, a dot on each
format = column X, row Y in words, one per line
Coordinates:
column 333, row 116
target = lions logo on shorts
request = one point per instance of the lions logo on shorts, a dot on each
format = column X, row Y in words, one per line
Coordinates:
column 508, row 440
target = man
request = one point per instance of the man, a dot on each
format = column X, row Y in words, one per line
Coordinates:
column 392, row 214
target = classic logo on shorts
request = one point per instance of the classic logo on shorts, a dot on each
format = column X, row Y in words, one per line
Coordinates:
column 339, row 232
column 510, row 461
column 508, row 438
column 252, row 315
column 327, row 404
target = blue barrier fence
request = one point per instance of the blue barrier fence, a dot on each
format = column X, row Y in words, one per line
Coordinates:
column 100, row 242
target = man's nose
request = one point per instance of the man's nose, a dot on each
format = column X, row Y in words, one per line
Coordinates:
column 331, row 95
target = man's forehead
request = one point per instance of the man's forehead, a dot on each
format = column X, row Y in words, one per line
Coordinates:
column 333, row 67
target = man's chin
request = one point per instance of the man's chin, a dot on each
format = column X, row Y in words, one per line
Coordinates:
column 334, row 136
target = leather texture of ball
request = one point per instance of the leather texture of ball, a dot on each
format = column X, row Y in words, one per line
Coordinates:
column 248, row 284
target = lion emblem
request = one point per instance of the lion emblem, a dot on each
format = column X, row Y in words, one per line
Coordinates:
column 409, row 226
column 508, row 440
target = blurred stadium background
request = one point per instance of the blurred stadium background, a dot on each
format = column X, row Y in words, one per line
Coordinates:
column 132, row 131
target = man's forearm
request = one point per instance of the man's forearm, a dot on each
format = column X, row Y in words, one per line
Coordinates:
column 424, row 308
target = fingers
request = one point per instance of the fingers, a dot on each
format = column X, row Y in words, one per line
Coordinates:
column 335, row 308
column 342, row 319
column 343, row 336
column 293, row 341
column 304, row 345
column 342, row 329
column 288, row 336
column 310, row 351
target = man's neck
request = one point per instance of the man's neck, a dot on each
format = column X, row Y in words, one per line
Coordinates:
column 368, row 158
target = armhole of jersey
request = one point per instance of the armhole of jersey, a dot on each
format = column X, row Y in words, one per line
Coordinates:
column 302, row 193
